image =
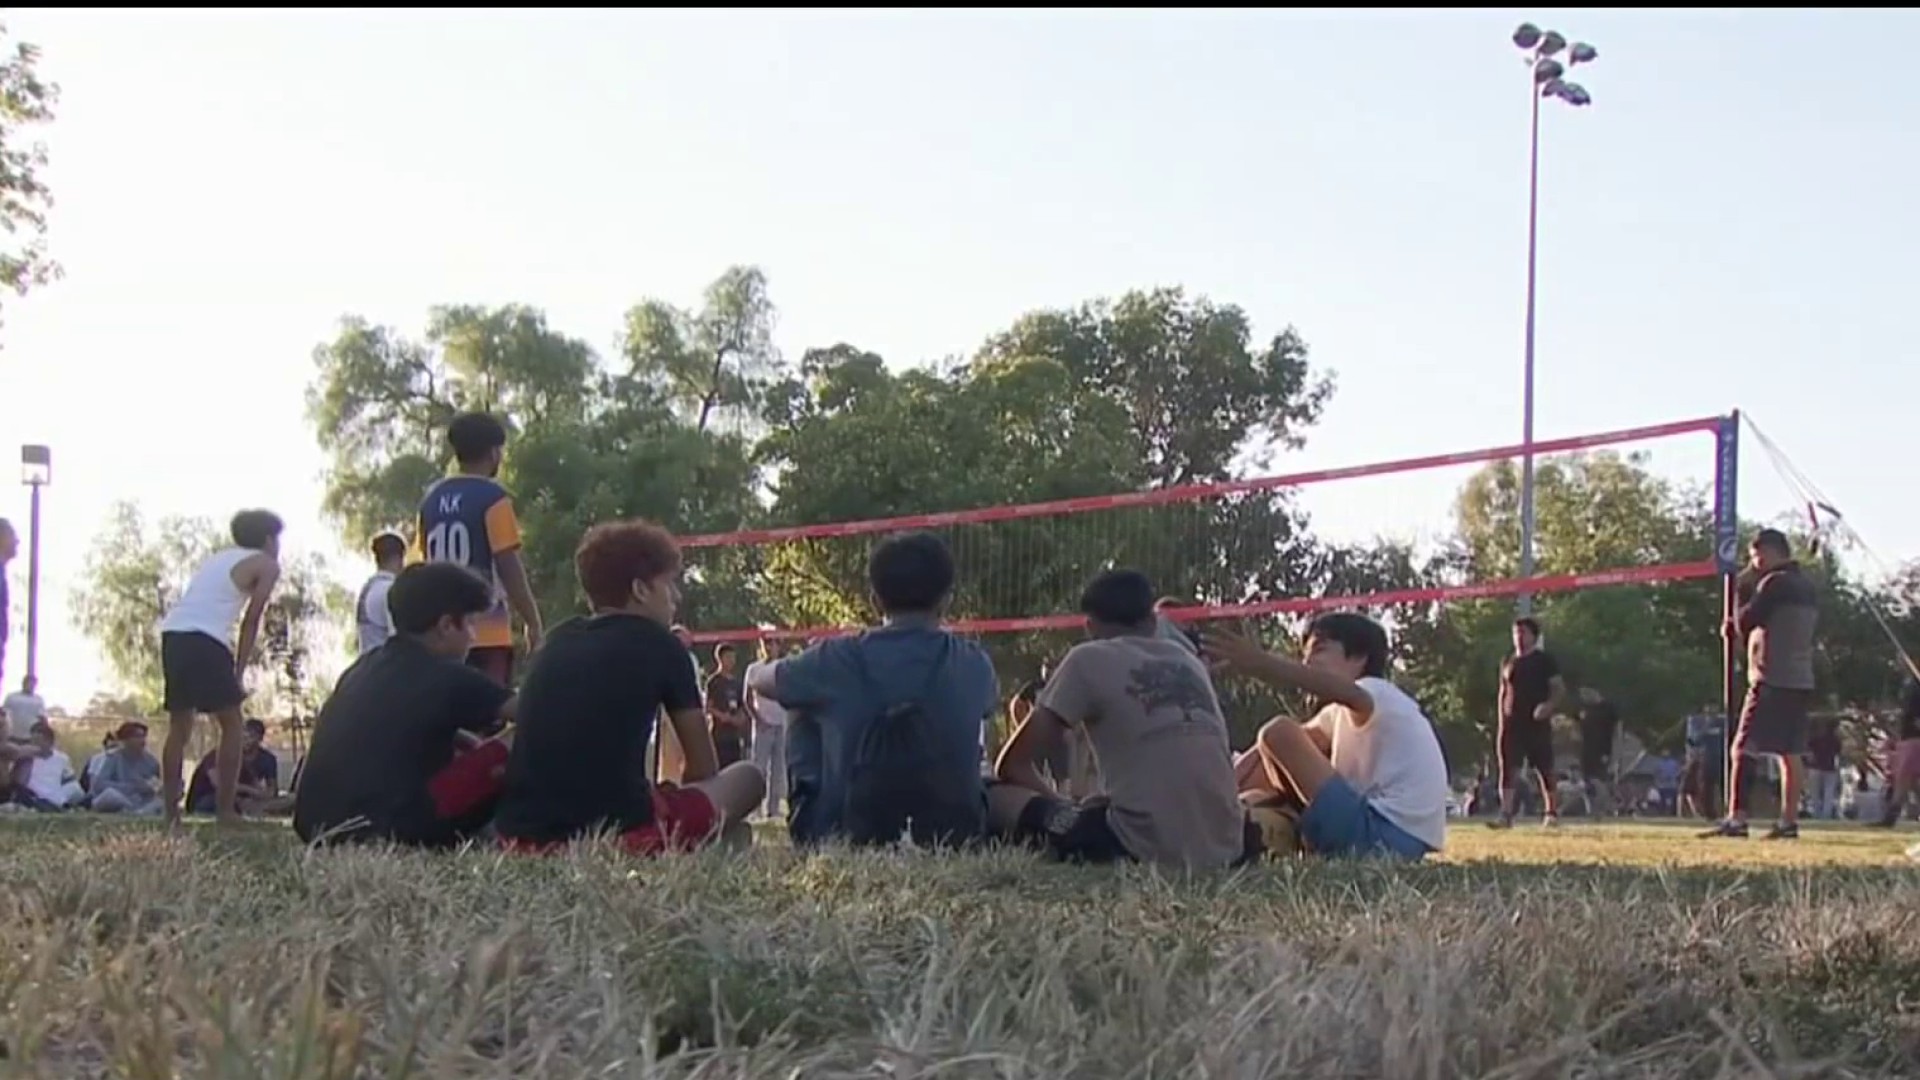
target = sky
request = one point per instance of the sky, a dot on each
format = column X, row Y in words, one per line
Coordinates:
column 1725, row 227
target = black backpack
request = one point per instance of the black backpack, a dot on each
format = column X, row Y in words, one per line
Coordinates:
column 900, row 783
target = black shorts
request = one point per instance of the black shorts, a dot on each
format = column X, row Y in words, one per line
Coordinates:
column 728, row 746
column 1079, row 832
column 1773, row 720
column 1523, row 743
column 1595, row 763
column 493, row 661
column 198, row 673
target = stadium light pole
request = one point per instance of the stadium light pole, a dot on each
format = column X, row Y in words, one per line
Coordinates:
column 36, row 471
column 1546, row 79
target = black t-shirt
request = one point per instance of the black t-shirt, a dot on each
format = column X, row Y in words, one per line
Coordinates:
column 723, row 693
column 387, row 729
column 1598, row 722
column 587, row 710
column 1526, row 683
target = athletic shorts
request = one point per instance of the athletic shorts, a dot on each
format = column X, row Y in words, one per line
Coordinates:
column 493, row 661
column 684, row 819
column 1773, row 720
column 198, row 673
column 1523, row 743
column 1340, row 821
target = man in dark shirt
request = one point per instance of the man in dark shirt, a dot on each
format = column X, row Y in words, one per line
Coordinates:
column 587, row 711
column 726, row 711
column 259, row 777
column 1777, row 622
column 1599, row 727
column 1531, row 692
column 387, row 761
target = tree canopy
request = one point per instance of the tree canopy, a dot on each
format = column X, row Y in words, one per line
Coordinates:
column 696, row 420
column 26, row 102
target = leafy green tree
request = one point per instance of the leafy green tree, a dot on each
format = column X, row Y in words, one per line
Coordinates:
column 26, row 102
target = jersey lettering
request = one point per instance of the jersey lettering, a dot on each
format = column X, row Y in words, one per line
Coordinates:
column 450, row 541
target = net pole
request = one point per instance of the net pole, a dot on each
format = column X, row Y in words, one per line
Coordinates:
column 1726, row 554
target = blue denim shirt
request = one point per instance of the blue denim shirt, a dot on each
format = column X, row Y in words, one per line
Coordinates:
column 830, row 703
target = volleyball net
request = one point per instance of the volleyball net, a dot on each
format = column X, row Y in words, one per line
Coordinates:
column 1229, row 550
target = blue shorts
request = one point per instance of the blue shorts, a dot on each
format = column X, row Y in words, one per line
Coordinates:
column 1340, row 822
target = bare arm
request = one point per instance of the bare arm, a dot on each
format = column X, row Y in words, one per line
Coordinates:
column 696, row 745
column 1019, row 762
column 261, row 576
column 1248, row 658
column 513, row 577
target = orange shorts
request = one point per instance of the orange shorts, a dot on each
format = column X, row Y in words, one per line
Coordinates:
column 684, row 819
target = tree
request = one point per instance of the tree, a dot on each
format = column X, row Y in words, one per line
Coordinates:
column 134, row 576
column 588, row 444
column 26, row 101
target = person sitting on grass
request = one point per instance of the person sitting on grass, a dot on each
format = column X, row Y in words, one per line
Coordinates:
column 399, row 750
column 1367, row 769
column 589, row 705
column 49, row 784
column 1146, row 704
column 884, row 727
column 128, row 781
column 259, row 775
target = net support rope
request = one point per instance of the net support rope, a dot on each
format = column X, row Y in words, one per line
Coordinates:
column 1194, row 492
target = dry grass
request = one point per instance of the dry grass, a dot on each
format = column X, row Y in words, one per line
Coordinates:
column 126, row 953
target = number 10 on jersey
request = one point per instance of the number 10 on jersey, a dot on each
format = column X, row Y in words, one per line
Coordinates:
column 450, row 541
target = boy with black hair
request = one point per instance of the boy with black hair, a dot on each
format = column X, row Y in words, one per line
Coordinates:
column 1368, row 766
column 1532, row 692
column 398, row 753
column 844, row 692
column 202, row 674
column 588, row 709
column 372, row 620
column 726, row 709
column 467, row 518
column 1148, row 707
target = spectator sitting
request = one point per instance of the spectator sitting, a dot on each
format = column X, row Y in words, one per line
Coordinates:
column 128, row 780
column 108, row 743
column 886, row 726
column 259, row 776
column 49, row 784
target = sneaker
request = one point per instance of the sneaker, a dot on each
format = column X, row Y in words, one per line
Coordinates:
column 1785, row 830
column 1500, row 823
column 1551, row 821
column 1731, row 830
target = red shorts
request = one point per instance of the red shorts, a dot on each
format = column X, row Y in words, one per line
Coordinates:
column 471, row 782
column 684, row 819
column 1903, row 763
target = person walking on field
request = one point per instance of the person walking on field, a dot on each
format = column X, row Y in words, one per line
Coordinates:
column 201, row 672
column 1531, row 693
column 1777, row 622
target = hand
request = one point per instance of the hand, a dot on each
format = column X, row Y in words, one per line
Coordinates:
column 1232, row 651
column 535, row 635
column 1730, row 631
column 1543, row 712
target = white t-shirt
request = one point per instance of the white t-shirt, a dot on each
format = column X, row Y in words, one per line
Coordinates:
column 765, row 709
column 47, row 776
column 1393, row 761
column 373, row 620
column 22, row 710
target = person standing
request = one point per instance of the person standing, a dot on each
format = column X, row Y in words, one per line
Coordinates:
column 24, row 708
column 370, row 615
column 1531, row 692
column 1823, row 769
column 769, row 734
column 201, row 672
column 467, row 518
column 1903, row 760
column 1599, row 728
column 726, row 712
column 1777, row 623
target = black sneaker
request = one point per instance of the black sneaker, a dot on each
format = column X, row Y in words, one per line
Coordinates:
column 1500, row 823
column 1785, row 830
column 1729, row 830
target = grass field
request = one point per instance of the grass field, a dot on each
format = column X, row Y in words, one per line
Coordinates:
column 1596, row 951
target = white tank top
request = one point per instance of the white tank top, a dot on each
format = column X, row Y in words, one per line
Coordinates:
column 211, row 603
